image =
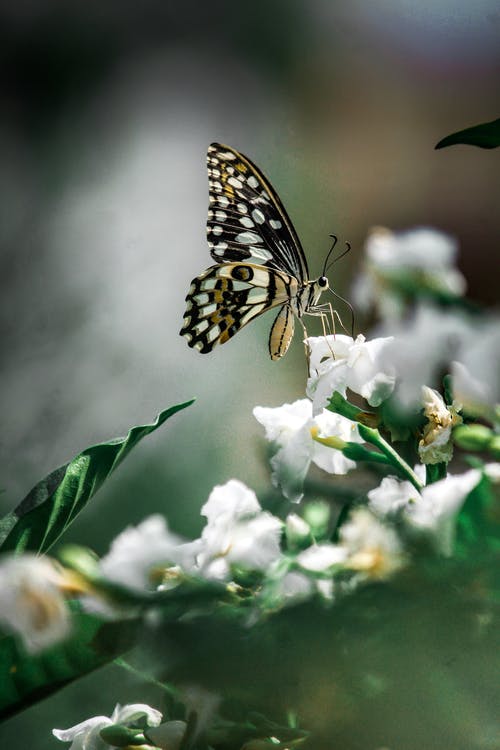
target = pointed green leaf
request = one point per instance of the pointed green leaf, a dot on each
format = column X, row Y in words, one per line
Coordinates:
column 54, row 503
column 486, row 135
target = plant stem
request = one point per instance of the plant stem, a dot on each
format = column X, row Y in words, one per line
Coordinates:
column 374, row 437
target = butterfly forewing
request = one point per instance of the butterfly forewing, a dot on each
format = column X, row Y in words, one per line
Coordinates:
column 246, row 219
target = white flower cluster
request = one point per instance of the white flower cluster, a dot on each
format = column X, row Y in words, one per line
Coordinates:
column 238, row 533
column 396, row 264
column 432, row 511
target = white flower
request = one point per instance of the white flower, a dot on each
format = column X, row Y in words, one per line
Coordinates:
column 422, row 257
column 492, row 471
column 392, row 495
column 32, row 604
column 297, row 530
column 295, row 585
column 339, row 362
column 433, row 510
column 372, row 548
column 321, row 557
column 436, row 444
column 422, row 348
column 440, row 504
column 289, row 426
column 139, row 550
column 476, row 374
column 86, row 735
column 238, row 532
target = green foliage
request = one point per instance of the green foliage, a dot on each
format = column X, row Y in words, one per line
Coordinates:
column 478, row 523
column 26, row 678
column 54, row 503
column 486, row 135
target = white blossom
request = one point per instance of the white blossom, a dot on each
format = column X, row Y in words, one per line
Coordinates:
column 238, row 532
column 439, row 506
column 339, row 362
column 140, row 550
column 392, row 495
column 433, row 510
column 476, row 371
column 321, row 557
column 436, row 445
column 295, row 585
column 372, row 548
column 289, row 427
column 422, row 347
column 492, row 471
column 86, row 735
column 422, row 257
column 32, row 603
column 297, row 530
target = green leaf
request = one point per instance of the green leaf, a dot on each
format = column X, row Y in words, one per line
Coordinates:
column 486, row 135
column 478, row 527
column 27, row 678
column 54, row 503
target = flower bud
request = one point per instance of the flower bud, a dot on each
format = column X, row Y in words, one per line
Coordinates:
column 473, row 437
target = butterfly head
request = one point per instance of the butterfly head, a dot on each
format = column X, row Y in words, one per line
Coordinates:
column 318, row 287
column 322, row 283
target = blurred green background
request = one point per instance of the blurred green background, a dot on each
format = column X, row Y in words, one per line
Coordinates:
column 107, row 111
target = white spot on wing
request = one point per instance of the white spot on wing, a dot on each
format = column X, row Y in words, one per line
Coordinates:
column 276, row 224
column 258, row 216
column 261, row 253
column 242, row 208
column 248, row 238
column 234, row 182
column 247, row 222
column 223, row 201
column 201, row 298
column 253, row 182
column 201, row 326
column 213, row 333
column 208, row 310
column 220, row 215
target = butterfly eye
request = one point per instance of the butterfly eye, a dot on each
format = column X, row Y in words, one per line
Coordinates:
column 323, row 282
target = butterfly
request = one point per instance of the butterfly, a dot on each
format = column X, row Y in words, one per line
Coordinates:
column 260, row 264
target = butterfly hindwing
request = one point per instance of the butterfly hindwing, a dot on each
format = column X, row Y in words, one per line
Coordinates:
column 246, row 220
column 226, row 297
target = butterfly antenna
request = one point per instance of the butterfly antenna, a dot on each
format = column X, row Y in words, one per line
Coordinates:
column 347, row 250
column 346, row 302
column 334, row 238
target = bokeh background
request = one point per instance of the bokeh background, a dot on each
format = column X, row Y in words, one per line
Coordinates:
column 107, row 111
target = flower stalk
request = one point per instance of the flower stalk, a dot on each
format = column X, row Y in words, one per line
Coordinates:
column 374, row 437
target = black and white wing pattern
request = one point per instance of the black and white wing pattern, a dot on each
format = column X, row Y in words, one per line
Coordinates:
column 260, row 262
column 246, row 220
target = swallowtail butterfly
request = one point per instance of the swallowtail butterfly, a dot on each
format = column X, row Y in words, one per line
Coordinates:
column 260, row 263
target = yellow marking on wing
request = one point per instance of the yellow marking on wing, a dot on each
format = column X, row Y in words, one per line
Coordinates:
column 241, row 167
